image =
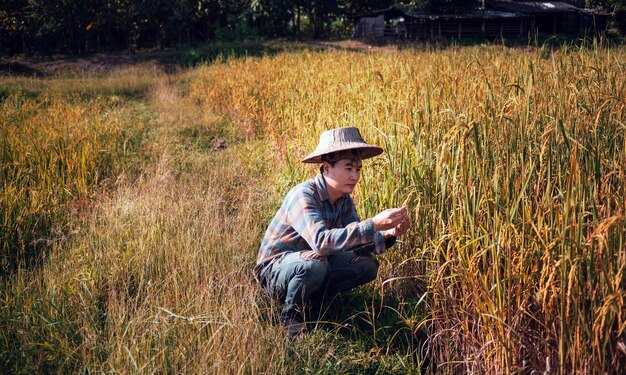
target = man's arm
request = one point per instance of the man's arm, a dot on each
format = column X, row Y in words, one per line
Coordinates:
column 381, row 243
column 305, row 216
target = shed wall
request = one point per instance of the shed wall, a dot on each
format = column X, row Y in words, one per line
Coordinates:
column 370, row 27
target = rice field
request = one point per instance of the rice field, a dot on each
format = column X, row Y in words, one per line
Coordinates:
column 128, row 238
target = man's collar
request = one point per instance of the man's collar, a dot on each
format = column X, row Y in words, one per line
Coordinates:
column 322, row 190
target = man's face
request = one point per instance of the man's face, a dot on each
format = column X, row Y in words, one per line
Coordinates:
column 344, row 176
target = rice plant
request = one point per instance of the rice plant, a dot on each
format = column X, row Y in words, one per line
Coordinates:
column 511, row 162
column 128, row 239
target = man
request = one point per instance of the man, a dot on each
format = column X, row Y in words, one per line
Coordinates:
column 316, row 246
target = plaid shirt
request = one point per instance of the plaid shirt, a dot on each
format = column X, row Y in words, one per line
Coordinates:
column 307, row 220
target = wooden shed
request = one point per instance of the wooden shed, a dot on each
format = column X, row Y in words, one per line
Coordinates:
column 378, row 24
column 497, row 18
column 554, row 17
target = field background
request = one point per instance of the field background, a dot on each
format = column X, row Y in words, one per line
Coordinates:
column 134, row 200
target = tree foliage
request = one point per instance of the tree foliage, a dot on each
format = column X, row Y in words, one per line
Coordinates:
column 84, row 26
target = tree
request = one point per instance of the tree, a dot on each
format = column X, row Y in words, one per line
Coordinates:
column 617, row 6
column 276, row 18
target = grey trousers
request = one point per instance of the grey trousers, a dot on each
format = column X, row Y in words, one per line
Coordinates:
column 295, row 280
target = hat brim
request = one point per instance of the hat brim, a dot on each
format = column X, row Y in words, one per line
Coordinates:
column 366, row 152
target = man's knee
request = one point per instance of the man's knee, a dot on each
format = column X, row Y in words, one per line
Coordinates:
column 368, row 267
column 315, row 270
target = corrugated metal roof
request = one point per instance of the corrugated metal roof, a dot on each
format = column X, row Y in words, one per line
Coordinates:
column 393, row 12
column 533, row 7
column 495, row 9
column 390, row 12
column 477, row 14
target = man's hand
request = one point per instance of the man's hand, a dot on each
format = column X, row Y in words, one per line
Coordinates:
column 390, row 219
column 398, row 230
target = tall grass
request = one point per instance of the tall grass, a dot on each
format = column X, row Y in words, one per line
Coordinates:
column 126, row 82
column 54, row 151
column 155, row 273
column 511, row 162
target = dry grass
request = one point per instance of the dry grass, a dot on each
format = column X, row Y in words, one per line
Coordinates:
column 126, row 82
column 156, row 273
column 54, row 152
column 511, row 162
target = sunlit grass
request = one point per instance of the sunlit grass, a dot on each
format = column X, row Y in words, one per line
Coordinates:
column 512, row 165
column 129, row 82
column 55, row 150
column 511, row 162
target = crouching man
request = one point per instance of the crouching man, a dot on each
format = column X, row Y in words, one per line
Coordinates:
column 317, row 246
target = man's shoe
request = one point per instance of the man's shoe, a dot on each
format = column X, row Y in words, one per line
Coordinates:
column 294, row 326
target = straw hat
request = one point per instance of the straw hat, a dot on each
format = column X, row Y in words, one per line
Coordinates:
column 334, row 141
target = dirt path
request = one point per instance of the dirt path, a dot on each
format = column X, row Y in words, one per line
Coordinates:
column 95, row 64
column 169, row 60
